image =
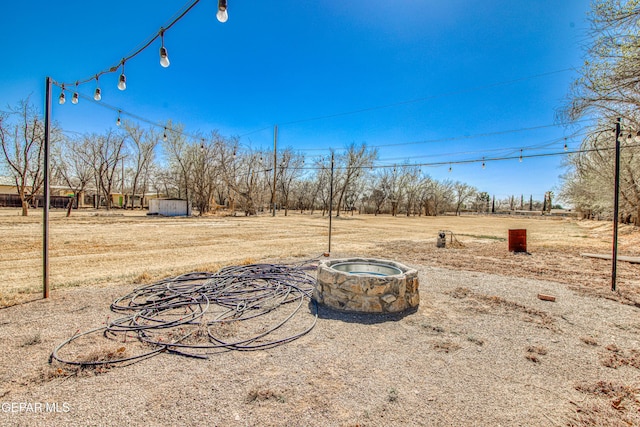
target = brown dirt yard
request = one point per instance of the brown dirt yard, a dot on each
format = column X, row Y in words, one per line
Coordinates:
column 482, row 349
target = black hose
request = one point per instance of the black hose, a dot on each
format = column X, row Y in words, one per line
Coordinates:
column 187, row 315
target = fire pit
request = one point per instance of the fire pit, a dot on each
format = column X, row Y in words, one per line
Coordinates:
column 367, row 285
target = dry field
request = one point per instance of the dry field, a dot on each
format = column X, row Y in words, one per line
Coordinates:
column 480, row 350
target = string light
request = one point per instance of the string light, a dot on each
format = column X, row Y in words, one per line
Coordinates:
column 122, row 81
column 74, row 98
column 164, row 57
column 483, row 165
column 222, row 14
column 520, row 158
column 565, row 145
column 450, row 168
column 164, row 135
column 61, row 98
column 118, row 122
column 97, row 95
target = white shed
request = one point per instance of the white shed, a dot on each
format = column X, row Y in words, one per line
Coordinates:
column 169, row 207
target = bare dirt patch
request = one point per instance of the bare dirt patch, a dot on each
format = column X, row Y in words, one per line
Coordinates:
column 465, row 357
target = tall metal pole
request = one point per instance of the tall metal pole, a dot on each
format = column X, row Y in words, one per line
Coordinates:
column 330, row 200
column 275, row 168
column 45, row 210
column 616, row 191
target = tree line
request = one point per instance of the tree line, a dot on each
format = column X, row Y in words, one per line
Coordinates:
column 212, row 172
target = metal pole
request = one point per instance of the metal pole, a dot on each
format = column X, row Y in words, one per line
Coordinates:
column 616, row 191
column 45, row 210
column 330, row 200
column 275, row 163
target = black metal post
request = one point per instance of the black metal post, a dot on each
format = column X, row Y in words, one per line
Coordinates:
column 616, row 191
column 330, row 200
column 275, row 163
column 45, row 210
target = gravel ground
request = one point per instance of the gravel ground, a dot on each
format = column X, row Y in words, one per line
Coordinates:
column 482, row 349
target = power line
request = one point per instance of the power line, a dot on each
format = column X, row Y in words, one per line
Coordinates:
column 411, row 101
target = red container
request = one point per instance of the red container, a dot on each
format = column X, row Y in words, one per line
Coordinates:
column 517, row 240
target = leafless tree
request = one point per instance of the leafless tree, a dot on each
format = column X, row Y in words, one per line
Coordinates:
column 608, row 88
column 142, row 146
column 107, row 155
column 352, row 165
column 462, row 193
column 72, row 165
column 22, row 139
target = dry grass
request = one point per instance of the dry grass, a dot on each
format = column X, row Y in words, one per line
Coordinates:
column 457, row 360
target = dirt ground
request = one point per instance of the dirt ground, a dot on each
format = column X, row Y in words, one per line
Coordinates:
column 481, row 349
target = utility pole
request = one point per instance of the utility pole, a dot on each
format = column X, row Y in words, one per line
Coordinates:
column 275, row 168
column 47, row 194
column 123, row 203
column 616, row 191
column 330, row 199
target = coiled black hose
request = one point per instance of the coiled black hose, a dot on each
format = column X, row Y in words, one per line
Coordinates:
column 240, row 308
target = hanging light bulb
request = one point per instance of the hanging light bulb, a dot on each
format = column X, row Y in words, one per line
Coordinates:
column 61, row 98
column 222, row 14
column 565, row 147
column 122, row 81
column 118, row 122
column 450, row 169
column 164, row 57
column 520, row 159
column 97, row 95
column 74, row 98
column 483, row 165
column 164, row 135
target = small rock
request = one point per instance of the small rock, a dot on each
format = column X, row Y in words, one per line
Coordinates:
column 388, row 298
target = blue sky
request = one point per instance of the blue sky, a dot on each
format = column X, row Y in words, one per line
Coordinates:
column 470, row 67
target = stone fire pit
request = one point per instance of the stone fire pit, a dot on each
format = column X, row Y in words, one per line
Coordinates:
column 367, row 285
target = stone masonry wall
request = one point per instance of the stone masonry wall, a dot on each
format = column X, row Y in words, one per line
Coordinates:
column 367, row 293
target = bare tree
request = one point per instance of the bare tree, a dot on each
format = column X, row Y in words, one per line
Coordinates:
column 107, row 155
column 353, row 164
column 72, row 165
column 462, row 193
column 142, row 152
column 22, row 139
column 608, row 88
column 290, row 168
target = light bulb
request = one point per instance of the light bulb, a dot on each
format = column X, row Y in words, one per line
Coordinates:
column 61, row 98
column 520, row 159
column 222, row 16
column 122, row 82
column 164, row 136
column 74, row 98
column 97, row 95
column 118, row 122
column 449, row 168
column 565, row 147
column 164, row 58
